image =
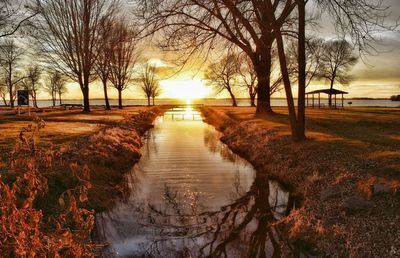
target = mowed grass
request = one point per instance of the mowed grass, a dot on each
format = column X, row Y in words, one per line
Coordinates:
column 62, row 127
column 364, row 133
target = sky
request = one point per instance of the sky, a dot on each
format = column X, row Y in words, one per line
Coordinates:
column 375, row 76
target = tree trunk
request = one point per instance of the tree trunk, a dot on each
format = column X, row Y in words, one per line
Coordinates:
column 296, row 136
column 11, row 96
column 234, row 103
column 263, row 71
column 301, row 117
column 153, row 101
column 59, row 98
column 330, row 96
column 34, row 98
column 252, row 100
column 106, row 95
column 119, row 99
column 86, row 103
column 148, row 101
column 53, row 96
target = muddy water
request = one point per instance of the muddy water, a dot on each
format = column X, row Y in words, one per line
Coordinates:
column 190, row 196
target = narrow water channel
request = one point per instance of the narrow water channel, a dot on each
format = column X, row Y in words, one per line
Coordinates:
column 190, row 196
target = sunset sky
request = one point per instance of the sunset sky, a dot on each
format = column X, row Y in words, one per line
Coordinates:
column 376, row 77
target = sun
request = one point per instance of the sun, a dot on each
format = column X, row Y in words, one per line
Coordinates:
column 184, row 89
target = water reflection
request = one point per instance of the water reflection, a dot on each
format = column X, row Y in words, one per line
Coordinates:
column 192, row 197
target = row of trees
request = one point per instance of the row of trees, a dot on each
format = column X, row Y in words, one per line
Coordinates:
column 78, row 41
column 330, row 60
column 13, row 78
column 259, row 29
column 89, row 40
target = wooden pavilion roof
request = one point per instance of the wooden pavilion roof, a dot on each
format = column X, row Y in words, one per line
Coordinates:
column 327, row 91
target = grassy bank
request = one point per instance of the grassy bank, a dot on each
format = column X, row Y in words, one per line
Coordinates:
column 61, row 169
column 346, row 174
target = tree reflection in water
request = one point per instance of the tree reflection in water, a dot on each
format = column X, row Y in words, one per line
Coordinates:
column 240, row 229
column 179, row 220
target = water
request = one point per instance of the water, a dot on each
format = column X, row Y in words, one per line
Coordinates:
column 190, row 196
column 227, row 102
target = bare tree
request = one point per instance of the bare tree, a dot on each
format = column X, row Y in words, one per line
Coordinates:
column 336, row 61
column 123, row 57
column 10, row 56
column 248, row 77
column 102, row 65
column 223, row 76
column 32, row 82
column 201, row 26
column 61, row 88
column 68, row 32
column 54, row 83
column 149, row 82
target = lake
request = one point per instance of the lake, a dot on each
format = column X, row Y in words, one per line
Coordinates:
column 224, row 102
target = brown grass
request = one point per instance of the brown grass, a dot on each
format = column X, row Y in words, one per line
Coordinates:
column 62, row 127
column 349, row 150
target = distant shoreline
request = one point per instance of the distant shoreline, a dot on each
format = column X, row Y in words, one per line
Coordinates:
column 178, row 99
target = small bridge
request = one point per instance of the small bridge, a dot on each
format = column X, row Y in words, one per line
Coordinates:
column 184, row 112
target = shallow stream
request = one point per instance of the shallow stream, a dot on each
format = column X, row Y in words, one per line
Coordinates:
column 190, row 196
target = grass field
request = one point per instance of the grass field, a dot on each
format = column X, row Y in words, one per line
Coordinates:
column 369, row 133
column 62, row 126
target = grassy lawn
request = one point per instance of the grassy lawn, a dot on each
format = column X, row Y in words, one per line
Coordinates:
column 366, row 133
column 351, row 159
column 62, row 127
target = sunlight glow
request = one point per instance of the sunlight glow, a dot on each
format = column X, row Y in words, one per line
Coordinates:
column 184, row 89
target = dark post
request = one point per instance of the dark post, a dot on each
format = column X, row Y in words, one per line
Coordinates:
column 319, row 100
column 342, row 100
column 313, row 100
column 335, row 101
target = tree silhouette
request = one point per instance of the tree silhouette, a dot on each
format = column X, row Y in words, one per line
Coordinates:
column 122, row 57
column 68, row 34
column 223, row 75
column 10, row 56
column 32, row 82
column 336, row 61
column 149, row 82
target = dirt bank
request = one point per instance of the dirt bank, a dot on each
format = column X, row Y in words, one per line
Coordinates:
column 349, row 197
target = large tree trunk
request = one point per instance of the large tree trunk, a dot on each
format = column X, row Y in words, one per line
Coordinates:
column 263, row 71
column 86, row 102
column 148, row 101
column 119, row 99
column 106, row 95
column 296, row 136
column 301, row 117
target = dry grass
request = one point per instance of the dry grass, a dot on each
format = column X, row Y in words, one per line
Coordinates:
column 366, row 133
column 348, row 151
column 62, row 127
